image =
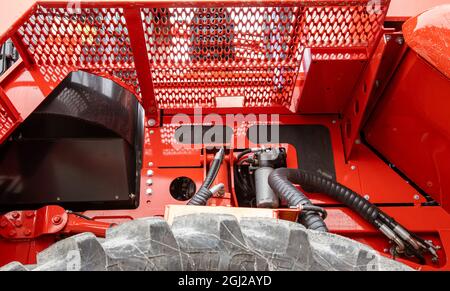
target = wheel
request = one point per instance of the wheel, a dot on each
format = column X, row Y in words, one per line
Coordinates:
column 206, row 242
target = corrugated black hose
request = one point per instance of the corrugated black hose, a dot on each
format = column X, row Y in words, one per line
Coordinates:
column 203, row 194
column 280, row 180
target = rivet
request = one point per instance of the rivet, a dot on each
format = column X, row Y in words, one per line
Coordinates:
column 56, row 219
column 416, row 197
column 149, row 182
column 353, row 167
column 152, row 131
column 149, row 191
column 151, row 122
column 367, row 197
column 150, row 173
column 150, row 164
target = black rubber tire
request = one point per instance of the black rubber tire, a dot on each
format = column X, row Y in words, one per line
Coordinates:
column 209, row 242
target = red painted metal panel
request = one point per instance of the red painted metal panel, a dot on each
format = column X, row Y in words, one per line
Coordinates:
column 411, row 126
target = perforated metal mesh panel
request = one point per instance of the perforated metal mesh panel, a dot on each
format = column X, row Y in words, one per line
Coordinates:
column 7, row 120
column 246, row 54
column 94, row 40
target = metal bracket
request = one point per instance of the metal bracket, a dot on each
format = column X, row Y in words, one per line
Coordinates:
column 53, row 219
column 374, row 80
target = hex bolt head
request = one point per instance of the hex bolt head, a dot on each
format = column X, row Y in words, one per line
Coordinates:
column 151, row 122
column 56, row 219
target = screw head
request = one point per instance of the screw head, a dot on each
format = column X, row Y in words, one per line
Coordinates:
column 367, row 197
column 149, row 191
column 150, row 164
column 149, row 182
column 151, row 122
column 56, row 219
column 416, row 197
column 150, row 173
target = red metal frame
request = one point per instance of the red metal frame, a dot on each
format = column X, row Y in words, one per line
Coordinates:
column 28, row 82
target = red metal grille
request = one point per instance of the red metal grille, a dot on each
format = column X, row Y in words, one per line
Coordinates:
column 94, row 40
column 198, row 54
column 7, row 120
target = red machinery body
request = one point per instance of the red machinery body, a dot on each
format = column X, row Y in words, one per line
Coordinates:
column 328, row 63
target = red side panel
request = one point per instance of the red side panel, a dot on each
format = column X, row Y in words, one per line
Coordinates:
column 411, row 126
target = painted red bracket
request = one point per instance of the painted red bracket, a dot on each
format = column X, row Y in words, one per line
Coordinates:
column 376, row 76
column 53, row 219
column 143, row 69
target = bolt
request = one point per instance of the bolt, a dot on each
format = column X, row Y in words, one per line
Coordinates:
column 149, row 182
column 353, row 167
column 150, row 164
column 149, row 191
column 416, row 197
column 151, row 122
column 150, row 173
column 27, row 232
column 15, row 215
column 56, row 219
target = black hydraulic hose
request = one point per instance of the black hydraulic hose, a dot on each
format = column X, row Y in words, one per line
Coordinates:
column 280, row 180
column 203, row 194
